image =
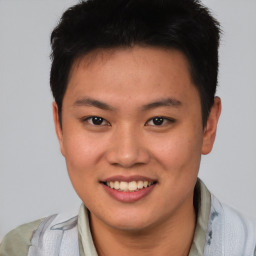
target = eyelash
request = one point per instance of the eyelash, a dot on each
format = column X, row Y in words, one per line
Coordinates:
column 165, row 120
column 87, row 119
column 157, row 118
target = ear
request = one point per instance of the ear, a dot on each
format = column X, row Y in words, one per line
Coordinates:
column 58, row 128
column 211, row 127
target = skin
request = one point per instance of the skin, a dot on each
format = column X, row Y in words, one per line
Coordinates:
column 129, row 143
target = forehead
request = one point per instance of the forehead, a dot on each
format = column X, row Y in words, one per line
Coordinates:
column 130, row 74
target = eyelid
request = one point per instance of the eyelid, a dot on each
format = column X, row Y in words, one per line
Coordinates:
column 87, row 118
column 168, row 119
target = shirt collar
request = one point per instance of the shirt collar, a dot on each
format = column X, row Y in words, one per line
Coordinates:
column 202, row 203
column 86, row 245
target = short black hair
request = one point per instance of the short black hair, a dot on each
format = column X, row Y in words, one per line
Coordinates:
column 185, row 25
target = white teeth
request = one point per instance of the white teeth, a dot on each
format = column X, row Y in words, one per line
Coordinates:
column 117, row 185
column 140, row 184
column 123, row 186
column 111, row 184
column 145, row 184
column 133, row 186
column 129, row 186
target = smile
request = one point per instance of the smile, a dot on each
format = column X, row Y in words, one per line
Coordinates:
column 129, row 186
column 128, row 189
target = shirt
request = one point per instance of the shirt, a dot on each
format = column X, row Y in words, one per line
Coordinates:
column 22, row 240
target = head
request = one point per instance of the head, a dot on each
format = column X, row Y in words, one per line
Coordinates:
column 134, row 85
column 184, row 25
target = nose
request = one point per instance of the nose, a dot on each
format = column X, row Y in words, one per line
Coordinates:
column 127, row 148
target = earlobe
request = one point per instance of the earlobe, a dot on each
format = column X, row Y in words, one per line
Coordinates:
column 58, row 128
column 211, row 127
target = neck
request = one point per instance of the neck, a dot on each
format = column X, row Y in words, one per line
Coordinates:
column 172, row 236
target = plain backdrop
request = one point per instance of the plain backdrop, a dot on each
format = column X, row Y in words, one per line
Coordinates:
column 33, row 178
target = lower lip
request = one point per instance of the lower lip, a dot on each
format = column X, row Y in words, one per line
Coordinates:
column 129, row 196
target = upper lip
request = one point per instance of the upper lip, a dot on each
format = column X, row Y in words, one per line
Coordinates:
column 128, row 178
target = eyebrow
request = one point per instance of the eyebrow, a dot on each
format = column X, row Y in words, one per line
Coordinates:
column 99, row 104
column 92, row 103
column 167, row 102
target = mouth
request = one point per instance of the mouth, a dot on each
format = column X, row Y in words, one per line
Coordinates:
column 131, row 186
column 128, row 189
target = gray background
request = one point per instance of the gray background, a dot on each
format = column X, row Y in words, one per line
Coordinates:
column 33, row 178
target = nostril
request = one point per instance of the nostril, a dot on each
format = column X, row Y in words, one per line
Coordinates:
column 128, row 157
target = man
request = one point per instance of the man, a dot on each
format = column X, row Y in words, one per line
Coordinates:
column 134, row 85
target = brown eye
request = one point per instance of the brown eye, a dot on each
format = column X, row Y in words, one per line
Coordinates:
column 158, row 120
column 96, row 120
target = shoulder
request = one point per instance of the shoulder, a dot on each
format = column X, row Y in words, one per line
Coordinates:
column 42, row 237
column 229, row 231
column 17, row 241
column 233, row 221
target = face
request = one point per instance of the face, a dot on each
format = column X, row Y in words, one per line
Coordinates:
column 132, row 135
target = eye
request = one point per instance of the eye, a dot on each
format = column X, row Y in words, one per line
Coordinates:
column 160, row 121
column 96, row 120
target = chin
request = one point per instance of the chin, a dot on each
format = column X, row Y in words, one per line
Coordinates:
column 133, row 221
column 131, row 226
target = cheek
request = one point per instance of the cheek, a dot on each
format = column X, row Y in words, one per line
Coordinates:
column 82, row 153
column 81, row 161
column 179, row 152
